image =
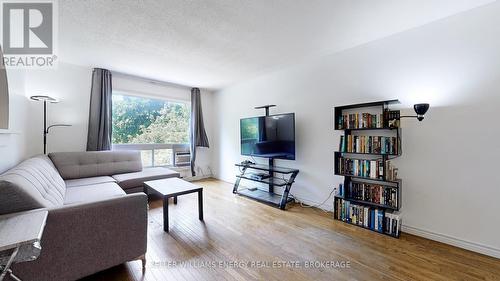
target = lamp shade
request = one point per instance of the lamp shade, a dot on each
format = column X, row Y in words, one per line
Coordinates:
column 44, row 98
column 421, row 109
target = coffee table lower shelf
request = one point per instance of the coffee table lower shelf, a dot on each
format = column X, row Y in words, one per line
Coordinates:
column 263, row 196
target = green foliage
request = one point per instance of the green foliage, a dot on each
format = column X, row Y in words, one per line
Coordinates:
column 171, row 126
column 144, row 120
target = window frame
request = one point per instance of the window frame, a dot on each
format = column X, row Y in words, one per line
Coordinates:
column 175, row 147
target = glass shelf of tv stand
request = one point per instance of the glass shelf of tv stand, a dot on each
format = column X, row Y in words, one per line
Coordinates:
column 264, row 196
column 276, row 181
column 263, row 167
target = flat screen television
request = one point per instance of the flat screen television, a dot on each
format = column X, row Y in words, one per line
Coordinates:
column 269, row 136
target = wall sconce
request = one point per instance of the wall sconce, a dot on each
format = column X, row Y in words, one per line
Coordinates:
column 47, row 99
column 420, row 109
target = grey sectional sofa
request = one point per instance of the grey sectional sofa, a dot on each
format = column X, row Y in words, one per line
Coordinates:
column 93, row 224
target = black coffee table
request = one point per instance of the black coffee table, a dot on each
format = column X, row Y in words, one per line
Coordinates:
column 174, row 187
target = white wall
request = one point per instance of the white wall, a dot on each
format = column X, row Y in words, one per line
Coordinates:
column 13, row 142
column 71, row 85
column 449, row 162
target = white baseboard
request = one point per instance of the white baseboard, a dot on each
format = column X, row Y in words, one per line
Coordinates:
column 457, row 242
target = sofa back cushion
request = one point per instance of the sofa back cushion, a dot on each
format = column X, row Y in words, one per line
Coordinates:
column 35, row 183
column 75, row 165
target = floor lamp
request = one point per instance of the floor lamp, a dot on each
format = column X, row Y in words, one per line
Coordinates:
column 47, row 99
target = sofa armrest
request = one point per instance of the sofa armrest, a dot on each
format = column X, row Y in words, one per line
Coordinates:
column 82, row 239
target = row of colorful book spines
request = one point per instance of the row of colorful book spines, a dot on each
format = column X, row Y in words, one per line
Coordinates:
column 376, row 190
column 371, row 218
column 374, row 150
column 373, row 188
column 360, row 121
column 375, row 197
column 388, row 199
column 372, row 196
column 367, row 217
column 393, row 231
column 370, row 170
column 355, row 189
column 366, row 120
column 365, row 166
column 386, row 145
column 365, row 185
column 360, row 147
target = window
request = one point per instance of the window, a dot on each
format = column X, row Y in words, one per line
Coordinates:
column 154, row 126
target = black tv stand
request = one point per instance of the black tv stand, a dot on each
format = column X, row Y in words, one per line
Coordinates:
column 267, row 196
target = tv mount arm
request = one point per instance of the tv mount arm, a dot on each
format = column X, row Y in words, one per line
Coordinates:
column 271, row 160
column 266, row 107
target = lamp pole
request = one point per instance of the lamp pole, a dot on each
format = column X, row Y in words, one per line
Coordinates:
column 46, row 129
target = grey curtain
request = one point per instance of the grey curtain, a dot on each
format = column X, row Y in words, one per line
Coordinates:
column 100, row 123
column 198, row 136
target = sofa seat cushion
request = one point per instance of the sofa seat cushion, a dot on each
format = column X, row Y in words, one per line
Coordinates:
column 132, row 180
column 88, row 181
column 90, row 193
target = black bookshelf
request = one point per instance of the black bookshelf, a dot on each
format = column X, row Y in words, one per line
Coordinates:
column 368, row 179
column 367, row 203
column 364, row 125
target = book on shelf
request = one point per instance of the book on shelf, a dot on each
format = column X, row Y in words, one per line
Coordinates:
column 360, row 121
column 391, row 118
column 373, row 169
column 373, row 193
column 341, row 190
column 369, row 144
column 392, row 224
column 372, row 218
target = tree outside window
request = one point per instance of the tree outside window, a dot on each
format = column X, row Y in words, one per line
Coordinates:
column 140, row 120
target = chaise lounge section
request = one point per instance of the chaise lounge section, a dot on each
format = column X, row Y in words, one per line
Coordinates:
column 93, row 224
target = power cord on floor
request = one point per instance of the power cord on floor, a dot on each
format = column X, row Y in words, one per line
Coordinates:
column 315, row 206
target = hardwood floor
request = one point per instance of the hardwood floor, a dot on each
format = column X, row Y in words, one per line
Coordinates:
column 237, row 230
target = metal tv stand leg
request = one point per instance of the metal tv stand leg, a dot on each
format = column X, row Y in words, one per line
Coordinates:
column 238, row 179
column 286, row 191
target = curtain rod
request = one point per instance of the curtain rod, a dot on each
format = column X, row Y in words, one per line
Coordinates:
column 149, row 80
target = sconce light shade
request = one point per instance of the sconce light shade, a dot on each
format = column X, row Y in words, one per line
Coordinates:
column 421, row 109
column 44, row 98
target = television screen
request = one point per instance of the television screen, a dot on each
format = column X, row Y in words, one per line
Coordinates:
column 269, row 136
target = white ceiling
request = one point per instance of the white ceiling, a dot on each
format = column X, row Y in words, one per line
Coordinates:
column 215, row 43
